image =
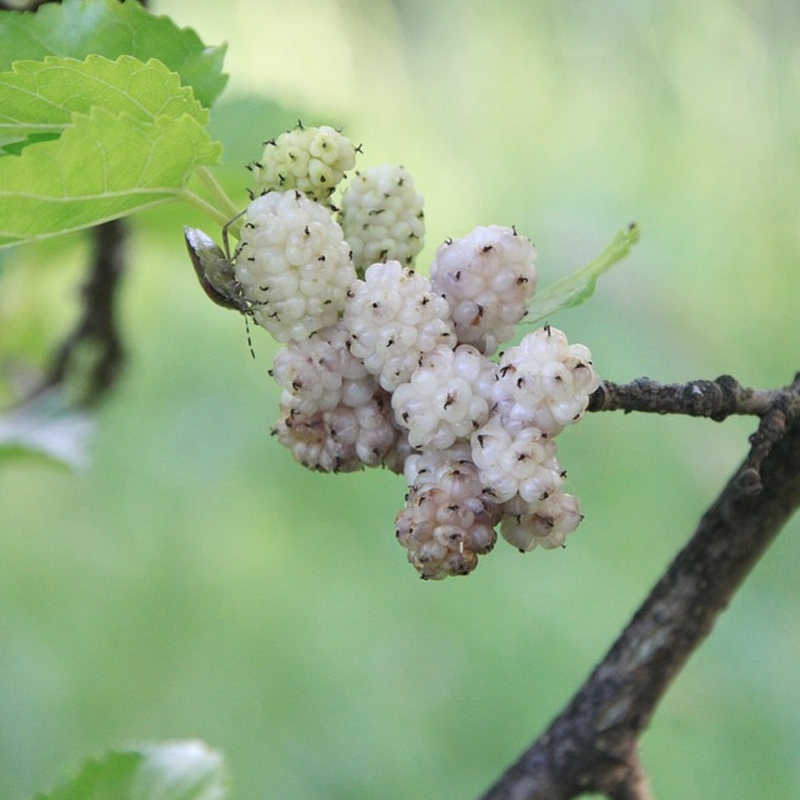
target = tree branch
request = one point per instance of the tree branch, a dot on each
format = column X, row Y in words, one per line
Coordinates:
column 592, row 746
column 31, row 5
column 92, row 355
column 717, row 399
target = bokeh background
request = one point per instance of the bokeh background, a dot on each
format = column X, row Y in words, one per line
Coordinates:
column 194, row 581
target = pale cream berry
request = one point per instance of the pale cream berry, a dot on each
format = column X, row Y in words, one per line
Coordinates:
column 488, row 278
column 393, row 318
column 382, row 217
column 293, row 265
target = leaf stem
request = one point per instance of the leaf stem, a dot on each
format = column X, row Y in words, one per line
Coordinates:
column 219, row 195
column 219, row 207
column 206, row 207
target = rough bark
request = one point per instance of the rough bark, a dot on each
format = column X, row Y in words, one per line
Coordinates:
column 592, row 745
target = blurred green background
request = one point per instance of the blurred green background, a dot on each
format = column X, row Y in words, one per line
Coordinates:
column 196, row 582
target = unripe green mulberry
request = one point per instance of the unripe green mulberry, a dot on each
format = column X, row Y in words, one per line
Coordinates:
column 312, row 160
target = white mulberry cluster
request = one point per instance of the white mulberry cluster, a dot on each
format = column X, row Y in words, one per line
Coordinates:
column 382, row 217
column 488, row 277
column 383, row 366
column 293, row 265
column 311, row 160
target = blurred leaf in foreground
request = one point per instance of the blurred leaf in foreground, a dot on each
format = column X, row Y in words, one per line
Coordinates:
column 46, row 426
column 187, row 770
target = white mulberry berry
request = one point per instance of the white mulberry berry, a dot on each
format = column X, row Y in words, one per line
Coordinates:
column 293, row 265
column 448, row 521
column 312, row 160
column 343, row 439
column 382, row 217
column 488, row 277
column 446, row 398
column 545, row 523
column 523, row 462
column 320, row 373
column 394, row 317
column 544, row 381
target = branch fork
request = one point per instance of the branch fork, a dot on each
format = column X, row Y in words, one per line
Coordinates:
column 716, row 400
column 593, row 744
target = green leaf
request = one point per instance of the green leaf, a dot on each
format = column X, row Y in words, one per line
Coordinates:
column 102, row 167
column 187, row 770
column 128, row 136
column 39, row 97
column 46, row 427
column 579, row 286
column 78, row 28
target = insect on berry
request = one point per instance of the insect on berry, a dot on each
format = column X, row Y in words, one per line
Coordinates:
column 214, row 270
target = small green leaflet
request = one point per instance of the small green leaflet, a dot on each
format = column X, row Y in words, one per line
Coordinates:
column 184, row 770
column 78, row 28
column 579, row 286
column 128, row 137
